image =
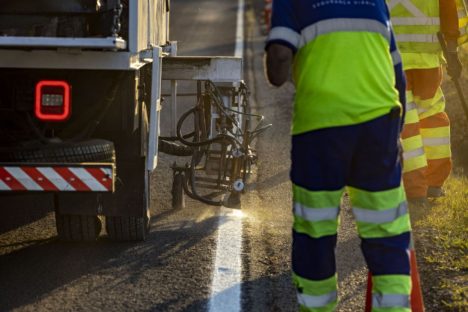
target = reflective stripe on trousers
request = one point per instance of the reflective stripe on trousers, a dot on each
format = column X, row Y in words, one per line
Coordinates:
column 435, row 131
column 316, row 213
column 391, row 293
column 319, row 295
column 431, row 106
column 390, row 301
column 413, row 156
column 436, row 139
column 319, row 178
column 320, row 301
column 426, row 134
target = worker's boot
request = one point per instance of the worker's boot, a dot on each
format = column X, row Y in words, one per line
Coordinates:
column 419, row 202
column 435, row 192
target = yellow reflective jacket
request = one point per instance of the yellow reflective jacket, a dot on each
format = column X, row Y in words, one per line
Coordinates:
column 417, row 22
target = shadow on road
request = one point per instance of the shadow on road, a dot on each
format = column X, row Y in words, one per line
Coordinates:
column 273, row 181
column 268, row 294
column 20, row 210
column 47, row 265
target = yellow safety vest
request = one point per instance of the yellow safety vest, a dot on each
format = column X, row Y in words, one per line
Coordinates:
column 417, row 22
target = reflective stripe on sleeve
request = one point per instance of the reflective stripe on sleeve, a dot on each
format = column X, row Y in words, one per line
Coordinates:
column 413, row 153
column 343, row 24
column 396, row 57
column 390, row 301
column 380, row 216
column 286, row 34
column 317, row 301
column 436, row 141
column 315, row 214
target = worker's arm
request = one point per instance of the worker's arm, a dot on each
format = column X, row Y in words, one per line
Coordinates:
column 282, row 42
column 449, row 27
column 278, row 63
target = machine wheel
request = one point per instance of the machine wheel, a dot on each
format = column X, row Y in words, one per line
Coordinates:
column 178, row 194
column 84, row 151
column 77, row 227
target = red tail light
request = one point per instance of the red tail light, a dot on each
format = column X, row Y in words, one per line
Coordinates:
column 52, row 100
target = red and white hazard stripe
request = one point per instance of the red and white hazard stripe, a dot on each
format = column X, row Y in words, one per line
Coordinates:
column 57, row 178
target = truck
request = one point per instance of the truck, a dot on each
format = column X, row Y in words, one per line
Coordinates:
column 80, row 105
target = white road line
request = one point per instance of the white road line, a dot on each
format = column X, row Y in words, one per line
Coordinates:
column 239, row 50
column 227, row 274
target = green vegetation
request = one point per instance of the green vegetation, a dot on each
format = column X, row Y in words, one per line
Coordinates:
column 446, row 227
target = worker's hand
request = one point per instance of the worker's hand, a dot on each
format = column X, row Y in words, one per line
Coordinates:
column 454, row 65
column 278, row 63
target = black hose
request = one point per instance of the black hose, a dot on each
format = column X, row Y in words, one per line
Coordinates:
column 201, row 140
column 175, row 149
column 175, row 138
column 193, row 193
column 218, row 139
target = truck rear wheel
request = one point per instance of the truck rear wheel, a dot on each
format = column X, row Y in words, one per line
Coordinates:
column 132, row 227
column 127, row 228
column 77, row 227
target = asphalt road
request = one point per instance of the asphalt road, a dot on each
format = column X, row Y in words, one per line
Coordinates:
column 172, row 270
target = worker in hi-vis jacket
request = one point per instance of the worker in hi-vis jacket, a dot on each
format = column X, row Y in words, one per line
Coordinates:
column 426, row 133
column 350, row 89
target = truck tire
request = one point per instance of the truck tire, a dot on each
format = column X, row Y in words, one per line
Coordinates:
column 127, row 228
column 94, row 150
column 132, row 228
column 77, row 228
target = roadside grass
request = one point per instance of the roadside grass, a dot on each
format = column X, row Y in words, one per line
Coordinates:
column 441, row 232
column 445, row 228
column 449, row 219
column 459, row 123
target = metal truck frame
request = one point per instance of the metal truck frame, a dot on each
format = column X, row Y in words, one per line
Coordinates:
column 104, row 79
